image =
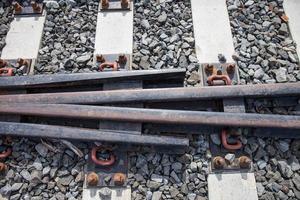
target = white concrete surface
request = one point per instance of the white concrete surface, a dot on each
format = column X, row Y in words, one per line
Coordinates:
column 212, row 30
column 117, row 194
column 24, row 38
column 292, row 10
column 114, row 32
column 233, row 186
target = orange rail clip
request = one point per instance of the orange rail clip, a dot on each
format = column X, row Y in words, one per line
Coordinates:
column 227, row 146
column 97, row 161
column 212, row 78
column 113, row 65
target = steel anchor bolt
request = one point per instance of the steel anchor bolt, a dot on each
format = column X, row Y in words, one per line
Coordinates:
column 92, row 179
column 119, row 178
column 124, row 3
column 219, row 162
column 244, row 162
column 100, row 58
column 230, row 69
column 209, row 69
column 23, row 62
column 105, row 4
column 17, row 7
column 35, row 6
column 3, row 167
column 3, row 63
column 122, row 59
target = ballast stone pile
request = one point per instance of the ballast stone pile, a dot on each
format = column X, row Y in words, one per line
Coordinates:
column 277, row 168
column 266, row 51
column 155, row 176
column 6, row 16
column 163, row 37
column 69, row 37
column 37, row 171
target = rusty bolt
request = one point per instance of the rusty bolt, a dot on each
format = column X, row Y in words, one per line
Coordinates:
column 122, row 59
column 124, row 3
column 209, row 69
column 100, row 58
column 230, row 69
column 92, row 179
column 219, row 162
column 17, row 7
column 105, row 4
column 35, row 6
column 119, row 178
column 3, row 167
column 23, row 62
column 3, row 63
column 244, row 162
column 7, row 140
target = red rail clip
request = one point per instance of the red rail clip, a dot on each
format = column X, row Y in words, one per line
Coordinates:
column 227, row 146
column 108, row 162
column 6, row 153
column 113, row 65
column 212, row 78
column 6, row 71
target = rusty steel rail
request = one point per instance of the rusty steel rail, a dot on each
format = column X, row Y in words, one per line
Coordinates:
column 55, row 80
column 158, row 95
column 160, row 116
column 63, row 132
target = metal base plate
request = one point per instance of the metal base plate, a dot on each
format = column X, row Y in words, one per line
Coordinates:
column 13, row 63
column 219, row 66
column 29, row 11
column 105, row 173
column 113, row 58
column 114, row 5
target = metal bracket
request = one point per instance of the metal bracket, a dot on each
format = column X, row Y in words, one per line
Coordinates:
column 115, row 5
column 28, row 7
column 225, row 69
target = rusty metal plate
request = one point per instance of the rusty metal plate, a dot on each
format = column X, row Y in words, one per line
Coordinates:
column 115, row 58
column 27, row 9
column 221, row 67
column 13, row 63
column 105, row 173
column 114, row 5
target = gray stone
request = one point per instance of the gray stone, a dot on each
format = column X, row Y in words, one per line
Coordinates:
column 16, row 186
column 230, row 157
column 83, row 59
column 280, row 75
column 144, row 64
column 52, row 4
column 296, row 181
column 174, row 192
column 193, row 166
column 284, row 29
column 163, row 17
column 215, row 138
column 145, row 24
column 105, row 192
column 285, row 169
column 26, row 175
column 259, row 73
column 191, row 196
column 260, row 189
column 156, row 195
column 157, row 178
column 41, row 149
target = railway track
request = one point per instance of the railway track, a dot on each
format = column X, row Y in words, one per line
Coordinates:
column 180, row 139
